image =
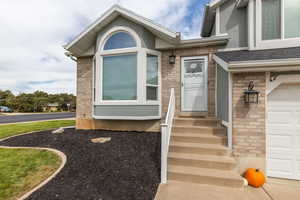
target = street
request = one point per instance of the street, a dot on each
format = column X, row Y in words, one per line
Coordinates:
column 34, row 117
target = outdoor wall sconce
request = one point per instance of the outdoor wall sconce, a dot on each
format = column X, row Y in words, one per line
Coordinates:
column 172, row 58
column 251, row 95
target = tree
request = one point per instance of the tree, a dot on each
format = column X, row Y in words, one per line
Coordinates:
column 35, row 102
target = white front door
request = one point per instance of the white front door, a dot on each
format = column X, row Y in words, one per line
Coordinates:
column 194, row 83
column 283, row 132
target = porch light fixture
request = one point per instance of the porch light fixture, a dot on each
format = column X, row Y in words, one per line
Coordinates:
column 172, row 58
column 251, row 95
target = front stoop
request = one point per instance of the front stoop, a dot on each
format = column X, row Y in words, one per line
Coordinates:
column 198, row 153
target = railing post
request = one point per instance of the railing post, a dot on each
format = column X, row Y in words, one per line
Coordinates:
column 164, row 155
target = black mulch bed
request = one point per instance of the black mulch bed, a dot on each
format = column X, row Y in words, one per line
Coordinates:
column 127, row 167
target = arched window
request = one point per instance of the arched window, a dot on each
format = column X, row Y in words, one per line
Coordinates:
column 120, row 40
column 128, row 72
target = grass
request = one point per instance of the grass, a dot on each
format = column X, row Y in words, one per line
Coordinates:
column 23, row 169
column 16, row 129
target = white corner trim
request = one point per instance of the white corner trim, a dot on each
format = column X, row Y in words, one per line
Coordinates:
column 280, row 80
column 221, row 62
column 251, row 24
column 230, row 111
column 217, row 21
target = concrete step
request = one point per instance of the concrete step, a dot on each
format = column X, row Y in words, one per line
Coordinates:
column 204, row 176
column 196, row 148
column 210, row 122
column 193, row 114
column 199, row 130
column 199, row 138
column 202, row 161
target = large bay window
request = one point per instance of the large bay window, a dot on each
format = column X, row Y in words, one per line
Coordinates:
column 126, row 73
column 280, row 19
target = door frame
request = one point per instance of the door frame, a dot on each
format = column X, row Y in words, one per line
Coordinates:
column 183, row 59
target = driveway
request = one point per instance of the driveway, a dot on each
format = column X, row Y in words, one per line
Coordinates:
column 34, row 117
column 274, row 189
column 125, row 168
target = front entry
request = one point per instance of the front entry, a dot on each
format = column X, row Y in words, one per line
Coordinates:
column 194, row 84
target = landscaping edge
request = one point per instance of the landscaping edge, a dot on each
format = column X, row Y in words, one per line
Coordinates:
column 57, row 152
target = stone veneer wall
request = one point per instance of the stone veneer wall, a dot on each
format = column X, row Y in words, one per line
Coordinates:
column 171, row 76
column 249, row 134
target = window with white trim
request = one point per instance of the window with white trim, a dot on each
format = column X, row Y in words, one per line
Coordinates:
column 152, row 77
column 280, row 19
column 127, row 73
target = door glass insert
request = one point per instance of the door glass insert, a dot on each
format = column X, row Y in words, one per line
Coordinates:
column 193, row 66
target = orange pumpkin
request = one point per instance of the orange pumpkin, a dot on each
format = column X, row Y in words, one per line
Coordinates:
column 255, row 177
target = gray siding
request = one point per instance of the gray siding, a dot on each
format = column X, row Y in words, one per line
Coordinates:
column 222, row 94
column 126, row 110
column 234, row 22
column 147, row 38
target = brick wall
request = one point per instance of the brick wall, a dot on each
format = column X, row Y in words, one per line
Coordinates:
column 249, row 134
column 84, row 88
column 171, row 77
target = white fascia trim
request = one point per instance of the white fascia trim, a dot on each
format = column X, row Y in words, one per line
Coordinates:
column 215, row 3
column 221, row 62
column 126, row 117
column 264, row 64
column 121, row 10
column 233, row 49
column 199, row 42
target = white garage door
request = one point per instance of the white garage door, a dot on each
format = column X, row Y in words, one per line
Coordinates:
column 283, row 132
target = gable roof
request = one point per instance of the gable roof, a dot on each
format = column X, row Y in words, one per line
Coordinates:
column 86, row 39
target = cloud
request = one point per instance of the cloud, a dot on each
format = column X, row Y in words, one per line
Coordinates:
column 33, row 32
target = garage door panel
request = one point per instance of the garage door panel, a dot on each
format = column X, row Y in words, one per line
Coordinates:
column 281, row 165
column 280, row 130
column 281, row 141
column 283, row 132
column 279, row 117
column 298, row 169
column 297, row 143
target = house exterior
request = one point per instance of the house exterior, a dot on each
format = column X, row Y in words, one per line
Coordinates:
column 51, row 107
column 127, row 66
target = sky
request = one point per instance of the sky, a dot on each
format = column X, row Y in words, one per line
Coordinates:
column 33, row 32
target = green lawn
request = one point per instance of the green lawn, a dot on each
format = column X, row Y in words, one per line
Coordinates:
column 15, row 129
column 23, row 169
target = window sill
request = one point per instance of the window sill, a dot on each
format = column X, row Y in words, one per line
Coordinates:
column 111, row 103
column 127, row 117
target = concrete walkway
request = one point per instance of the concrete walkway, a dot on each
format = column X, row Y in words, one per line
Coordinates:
column 275, row 189
column 281, row 189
